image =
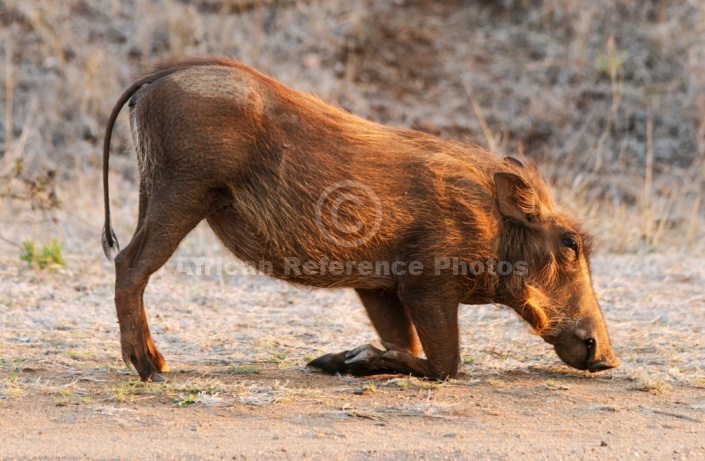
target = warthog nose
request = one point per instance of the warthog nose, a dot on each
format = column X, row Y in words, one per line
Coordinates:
column 604, row 364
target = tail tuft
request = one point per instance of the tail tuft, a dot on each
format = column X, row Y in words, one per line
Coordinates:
column 111, row 247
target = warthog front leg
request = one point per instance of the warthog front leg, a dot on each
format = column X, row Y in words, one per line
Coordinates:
column 434, row 313
column 368, row 360
column 391, row 319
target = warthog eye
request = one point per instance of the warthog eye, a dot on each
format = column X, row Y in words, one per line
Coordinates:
column 589, row 343
column 570, row 242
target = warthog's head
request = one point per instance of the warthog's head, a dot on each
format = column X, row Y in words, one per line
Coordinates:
column 554, row 294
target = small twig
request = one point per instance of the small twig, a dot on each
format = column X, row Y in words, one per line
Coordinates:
column 668, row 413
column 617, row 87
column 648, row 175
column 694, row 298
column 18, row 148
column 9, row 96
column 491, row 141
column 364, row 414
column 10, row 242
column 414, row 413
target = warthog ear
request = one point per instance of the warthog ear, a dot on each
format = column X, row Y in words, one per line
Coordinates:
column 513, row 161
column 515, row 197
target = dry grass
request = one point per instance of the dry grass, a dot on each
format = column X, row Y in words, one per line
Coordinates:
column 606, row 96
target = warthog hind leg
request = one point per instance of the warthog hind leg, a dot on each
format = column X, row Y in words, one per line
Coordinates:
column 165, row 219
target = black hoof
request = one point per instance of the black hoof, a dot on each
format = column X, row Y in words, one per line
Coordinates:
column 156, row 378
column 364, row 360
column 151, row 377
column 329, row 363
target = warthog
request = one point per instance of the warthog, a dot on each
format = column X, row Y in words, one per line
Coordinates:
column 415, row 224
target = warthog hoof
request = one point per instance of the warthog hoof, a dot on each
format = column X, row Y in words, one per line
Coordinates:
column 364, row 360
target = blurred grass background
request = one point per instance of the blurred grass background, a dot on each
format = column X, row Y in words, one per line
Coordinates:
column 607, row 96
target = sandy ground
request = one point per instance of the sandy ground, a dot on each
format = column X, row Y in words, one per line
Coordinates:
column 238, row 344
column 515, row 415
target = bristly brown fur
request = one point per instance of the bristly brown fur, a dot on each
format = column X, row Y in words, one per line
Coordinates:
column 262, row 163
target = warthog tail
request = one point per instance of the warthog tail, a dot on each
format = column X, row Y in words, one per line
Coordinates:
column 110, row 242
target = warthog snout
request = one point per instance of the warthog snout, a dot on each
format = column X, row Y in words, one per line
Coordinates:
column 585, row 345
